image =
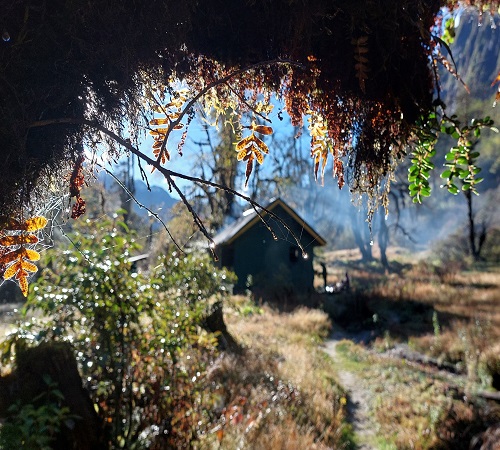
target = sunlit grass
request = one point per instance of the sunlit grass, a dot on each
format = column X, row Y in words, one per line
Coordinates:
column 285, row 347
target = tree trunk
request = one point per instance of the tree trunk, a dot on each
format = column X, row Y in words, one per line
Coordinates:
column 26, row 383
column 214, row 323
column 475, row 250
column 383, row 241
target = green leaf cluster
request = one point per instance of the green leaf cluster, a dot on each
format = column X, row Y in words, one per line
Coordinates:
column 33, row 426
column 460, row 161
column 421, row 157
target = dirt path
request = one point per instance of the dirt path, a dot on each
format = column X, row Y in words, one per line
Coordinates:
column 359, row 399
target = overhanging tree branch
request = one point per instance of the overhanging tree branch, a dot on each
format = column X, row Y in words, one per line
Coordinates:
column 170, row 174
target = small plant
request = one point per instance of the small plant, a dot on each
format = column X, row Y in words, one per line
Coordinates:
column 34, row 426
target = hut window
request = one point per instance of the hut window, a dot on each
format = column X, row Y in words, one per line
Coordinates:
column 294, row 253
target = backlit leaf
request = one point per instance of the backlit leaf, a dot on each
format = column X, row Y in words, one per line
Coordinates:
column 23, row 284
column 21, row 274
column 7, row 241
column 261, row 145
column 248, row 171
column 11, row 256
column 32, row 255
column 34, row 224
column 262, row 129
column 11, row 271
column 158, row 131
column 259, row 156
column 244, row 143
column 9, row 223
column 26, row 265
column 242, row 154
column 159, row 121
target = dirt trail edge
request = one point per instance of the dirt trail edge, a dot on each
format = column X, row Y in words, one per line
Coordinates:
column 359, row 399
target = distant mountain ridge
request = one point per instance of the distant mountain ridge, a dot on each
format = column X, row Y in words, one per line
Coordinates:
column 476, row 51
column 158, row 200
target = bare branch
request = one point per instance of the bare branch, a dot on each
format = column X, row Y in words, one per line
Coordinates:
column 155, row 215
column 169, row 174
column 209, row 86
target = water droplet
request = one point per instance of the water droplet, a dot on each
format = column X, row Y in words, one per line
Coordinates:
column 212, row 245
column 371, row 243
column 305, row 255
column 6, row 36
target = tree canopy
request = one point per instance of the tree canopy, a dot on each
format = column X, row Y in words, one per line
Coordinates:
column 77, row 75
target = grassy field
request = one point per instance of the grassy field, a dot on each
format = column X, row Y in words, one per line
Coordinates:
column 422, row 342
column 430, row 349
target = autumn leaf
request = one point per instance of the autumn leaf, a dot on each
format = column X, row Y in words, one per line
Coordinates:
column 23, row 284
column 11, row 256
column 262, row 129
column 19, row 266
column 32, row 224
column 9, row 223
column 244, row 143
column 259, row 156
column 241, row 155
column 158, row 131
column 496, row 80
column 250, row 148
column 163, row 121
column 248, row 171
column 18, row 239
column 262, row 147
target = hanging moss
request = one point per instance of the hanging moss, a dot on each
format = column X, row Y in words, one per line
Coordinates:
column 363, row 66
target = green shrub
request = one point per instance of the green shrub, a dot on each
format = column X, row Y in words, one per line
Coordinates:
column 34, row 426
column 137, row 338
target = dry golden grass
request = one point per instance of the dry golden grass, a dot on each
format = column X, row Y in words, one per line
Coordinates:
column 446, row 312
column 281, row 390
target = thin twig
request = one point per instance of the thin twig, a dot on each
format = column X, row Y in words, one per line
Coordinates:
column 196, row 217
column 169, row 174
column 155, row 215
column 211, row 85
column 250, row 107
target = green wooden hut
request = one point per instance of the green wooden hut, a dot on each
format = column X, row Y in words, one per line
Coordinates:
column 264, row 264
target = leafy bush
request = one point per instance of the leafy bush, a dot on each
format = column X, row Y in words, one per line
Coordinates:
column 141, row 351
column 33, row 426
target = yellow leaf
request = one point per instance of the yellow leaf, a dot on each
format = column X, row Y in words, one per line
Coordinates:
column 262, row 129
column 23, row 284
column 158, row 131
column 159, row 121
column 7, row 241
column 261, row 145
column 245, row 142
column 26, row 265
column 179, row 126
column 11, row 270
column 242, row 154
column 32, row 255
column 259, row 156
column 34, row 224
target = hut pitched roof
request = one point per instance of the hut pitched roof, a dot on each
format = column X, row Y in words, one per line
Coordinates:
column 250, row 218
